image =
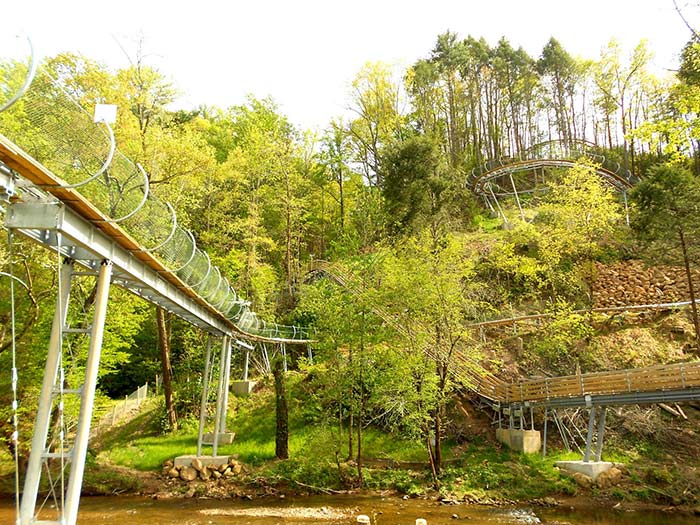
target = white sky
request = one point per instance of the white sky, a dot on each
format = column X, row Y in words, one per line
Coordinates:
column 304, row 53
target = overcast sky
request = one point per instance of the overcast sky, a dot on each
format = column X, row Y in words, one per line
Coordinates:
column 304, row 53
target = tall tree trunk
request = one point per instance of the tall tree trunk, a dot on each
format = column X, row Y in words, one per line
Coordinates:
column 281, row 413
column 167, row 371
column 362, row 406
column 352, row 405
column 288, row 237
column 691, row 287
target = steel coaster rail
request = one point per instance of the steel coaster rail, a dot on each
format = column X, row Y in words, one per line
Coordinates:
column 552, row 153
column 29, row 78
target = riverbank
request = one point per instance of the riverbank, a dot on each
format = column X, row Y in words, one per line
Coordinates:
column 343, row 509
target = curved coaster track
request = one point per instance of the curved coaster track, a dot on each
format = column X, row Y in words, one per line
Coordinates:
column 526, row 174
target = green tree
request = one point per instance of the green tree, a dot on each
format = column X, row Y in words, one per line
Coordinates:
column 667, row 204
column 374, row 99
column 580, row 216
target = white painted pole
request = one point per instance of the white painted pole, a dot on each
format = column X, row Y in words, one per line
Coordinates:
column 205, row 394
column 245, row 365
column 219, row 399
column 227, row 379
column 43, row 415
column 80, row 445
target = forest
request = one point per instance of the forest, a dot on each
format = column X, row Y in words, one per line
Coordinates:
column 383, row 196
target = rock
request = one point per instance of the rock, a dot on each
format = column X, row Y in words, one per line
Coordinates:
column 197, row 464
column 205, row 473
column 582, row 480
column 223, row 467
column 228, row 473
column 168, row 463
column 610, row 478
column 216, row 474
column 455, row 516
column 173, row 473
column 188, row 474
column 236, row 468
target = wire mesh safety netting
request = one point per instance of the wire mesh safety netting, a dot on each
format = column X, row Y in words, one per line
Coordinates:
column 51, row 118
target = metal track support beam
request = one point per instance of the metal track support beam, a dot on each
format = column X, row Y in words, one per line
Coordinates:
column 601, row 430
column 80, row 446
column 205, row 396
column 43, row 415
column 227, row 381
column 589, row 436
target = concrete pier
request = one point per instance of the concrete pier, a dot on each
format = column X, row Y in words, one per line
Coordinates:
column 527, row 441
column 242, row 388
column 592, row 469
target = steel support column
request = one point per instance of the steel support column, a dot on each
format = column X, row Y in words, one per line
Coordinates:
column 80, row 446
column 227, row 380
column 246, row 364
column 589, row 436
column 205, row 396
column 601, row 430
column 43, row 415
column 219, row 399
column 544, row 432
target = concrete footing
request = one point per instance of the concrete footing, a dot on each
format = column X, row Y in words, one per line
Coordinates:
column 592, row 469
column 527, row 441
column 225, row 438
column 242, row 388
column 186, row 461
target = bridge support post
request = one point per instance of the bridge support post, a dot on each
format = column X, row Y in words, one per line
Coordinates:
column 80, row 446
column 589, row 436
column 246, row 364
column 227, row 379
column 599, row 438
column 205, row 396
column 43, row 415
column 544, row 432
column 219, row 399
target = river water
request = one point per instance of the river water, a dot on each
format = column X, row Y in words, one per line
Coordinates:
column 338, row 510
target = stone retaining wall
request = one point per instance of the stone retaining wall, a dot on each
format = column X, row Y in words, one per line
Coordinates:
column 632, row 282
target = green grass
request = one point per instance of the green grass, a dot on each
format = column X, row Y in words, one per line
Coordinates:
column 139, row 444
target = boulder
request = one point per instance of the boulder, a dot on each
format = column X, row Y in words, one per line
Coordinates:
column 188, row 473
column 173, row 473
column 582, row 480
column 609, row 478
column 197, row 465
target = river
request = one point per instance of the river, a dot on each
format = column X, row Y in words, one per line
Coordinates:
column 339, row 510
